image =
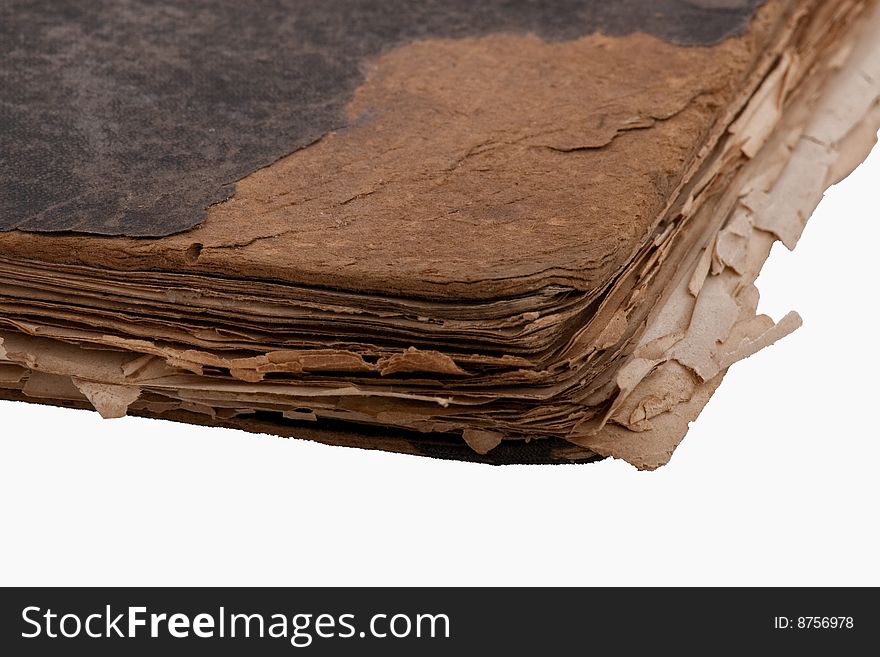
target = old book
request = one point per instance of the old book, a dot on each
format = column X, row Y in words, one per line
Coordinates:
column 492, row 231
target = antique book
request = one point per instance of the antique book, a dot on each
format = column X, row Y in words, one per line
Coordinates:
column 507, row 232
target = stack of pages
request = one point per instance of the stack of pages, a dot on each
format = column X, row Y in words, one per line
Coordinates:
column 493, row 231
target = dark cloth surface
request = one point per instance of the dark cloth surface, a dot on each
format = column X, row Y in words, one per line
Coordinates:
column 132, row 117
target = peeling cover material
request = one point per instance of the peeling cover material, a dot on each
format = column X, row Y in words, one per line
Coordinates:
column 131, row 118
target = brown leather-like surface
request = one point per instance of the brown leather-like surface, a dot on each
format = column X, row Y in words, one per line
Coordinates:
column 477, row 167
column 131, row 118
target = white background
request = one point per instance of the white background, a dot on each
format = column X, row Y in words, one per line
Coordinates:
column 776, row 484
